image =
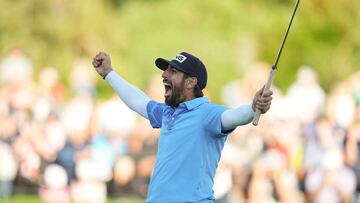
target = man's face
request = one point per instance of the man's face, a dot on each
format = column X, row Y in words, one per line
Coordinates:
column 174, row 82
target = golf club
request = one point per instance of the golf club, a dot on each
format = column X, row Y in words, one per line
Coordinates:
column 274, row 67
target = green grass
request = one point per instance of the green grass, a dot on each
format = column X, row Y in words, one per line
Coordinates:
column 36, row 199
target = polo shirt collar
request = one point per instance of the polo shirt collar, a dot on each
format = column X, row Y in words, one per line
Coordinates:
column 194, row 102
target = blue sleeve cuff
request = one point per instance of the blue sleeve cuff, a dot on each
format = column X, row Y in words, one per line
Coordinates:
column 154, row 112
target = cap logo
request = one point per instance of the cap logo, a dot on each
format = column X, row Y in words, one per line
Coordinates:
column 180, row 58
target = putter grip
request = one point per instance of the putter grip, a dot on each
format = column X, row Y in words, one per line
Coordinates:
column 267, row 87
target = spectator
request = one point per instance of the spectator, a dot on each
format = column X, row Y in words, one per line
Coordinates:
column 8, row 170
column 16, row 68
column 352, row 154
column 88, row 187
column 55, row 187
column 116, row 118
column 50, row 87
column 306, row 96
column 81, row 80
column 124, row 173
column 341, row 103
column 332, row 181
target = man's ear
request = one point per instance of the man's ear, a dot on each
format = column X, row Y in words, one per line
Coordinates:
column 191, row 82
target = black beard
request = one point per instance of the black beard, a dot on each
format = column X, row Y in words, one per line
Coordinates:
column 176, row 96
column 174, row 99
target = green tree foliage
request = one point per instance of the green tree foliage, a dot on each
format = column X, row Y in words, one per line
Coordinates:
column 228, row 35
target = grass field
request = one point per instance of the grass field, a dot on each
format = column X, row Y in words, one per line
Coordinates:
column 35, row 199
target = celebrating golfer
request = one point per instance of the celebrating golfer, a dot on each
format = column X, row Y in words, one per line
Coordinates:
column 193, row 130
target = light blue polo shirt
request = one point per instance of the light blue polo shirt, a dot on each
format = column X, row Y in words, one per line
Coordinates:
column 189, row 150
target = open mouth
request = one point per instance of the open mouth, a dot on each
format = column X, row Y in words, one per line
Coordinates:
column 167, row 89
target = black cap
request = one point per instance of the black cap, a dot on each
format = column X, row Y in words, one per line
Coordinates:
column 188, row 64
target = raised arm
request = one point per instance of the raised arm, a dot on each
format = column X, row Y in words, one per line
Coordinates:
column 132, row 96
column 244, row 114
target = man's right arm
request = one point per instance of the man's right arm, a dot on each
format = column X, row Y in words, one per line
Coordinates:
column 133, row 97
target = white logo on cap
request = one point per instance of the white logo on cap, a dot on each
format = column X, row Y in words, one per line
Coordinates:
column 180, row 58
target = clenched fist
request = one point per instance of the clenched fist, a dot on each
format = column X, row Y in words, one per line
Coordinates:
column 102, row 64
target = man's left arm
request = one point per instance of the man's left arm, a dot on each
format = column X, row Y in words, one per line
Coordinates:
column 244, row 114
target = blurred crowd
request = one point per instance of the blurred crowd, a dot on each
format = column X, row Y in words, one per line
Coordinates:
column 69, row 146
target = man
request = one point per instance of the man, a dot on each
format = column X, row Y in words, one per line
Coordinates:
column 193, row 130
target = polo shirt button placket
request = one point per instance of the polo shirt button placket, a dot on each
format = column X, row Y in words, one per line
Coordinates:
column 171, row 122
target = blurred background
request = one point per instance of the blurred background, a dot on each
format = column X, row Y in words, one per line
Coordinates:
column 66, row 137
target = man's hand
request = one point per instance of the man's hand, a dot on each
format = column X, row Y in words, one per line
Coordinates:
column 102, row 64
column 262, row 100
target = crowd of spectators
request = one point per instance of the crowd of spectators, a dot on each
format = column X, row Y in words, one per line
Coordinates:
column 67, row 145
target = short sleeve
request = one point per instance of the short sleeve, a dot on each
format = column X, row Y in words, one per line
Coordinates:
column 212, row 120
column 155, row 112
